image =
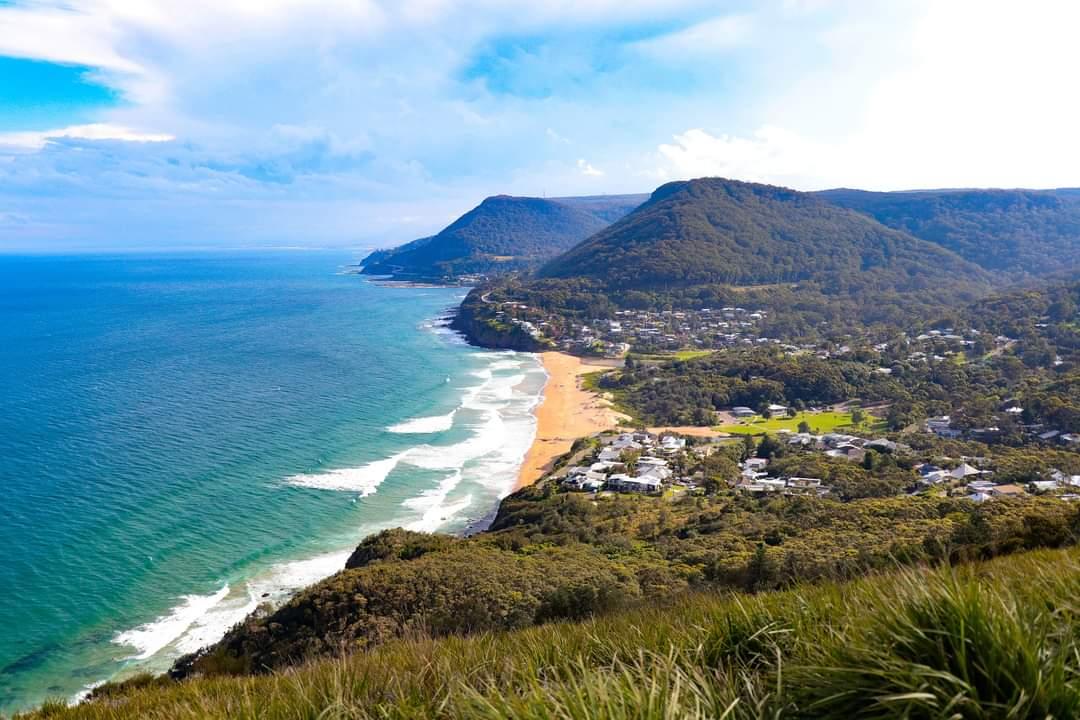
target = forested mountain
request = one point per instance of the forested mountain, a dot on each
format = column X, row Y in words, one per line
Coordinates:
column 500, row 235
column 1015, row 231
column 718, row 231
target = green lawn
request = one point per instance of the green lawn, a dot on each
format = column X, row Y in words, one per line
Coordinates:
column 822, row 422
column 691, row 354
column 663, row 357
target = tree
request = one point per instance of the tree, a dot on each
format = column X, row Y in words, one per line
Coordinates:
column 748, row 448
column 857, row 416
column 769, row 447
column 804, row 427
column 760, row 573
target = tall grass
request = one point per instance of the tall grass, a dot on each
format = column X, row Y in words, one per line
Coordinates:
column 993, row 640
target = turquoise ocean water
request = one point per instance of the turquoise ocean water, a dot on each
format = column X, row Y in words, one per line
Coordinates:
column 184, row 437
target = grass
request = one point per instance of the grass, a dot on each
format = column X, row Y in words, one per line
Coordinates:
column 819, row 422
column 663, row 357
column 991, row 640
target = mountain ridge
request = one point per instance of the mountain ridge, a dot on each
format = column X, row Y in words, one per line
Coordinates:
column 502, row 234
column 715, row 230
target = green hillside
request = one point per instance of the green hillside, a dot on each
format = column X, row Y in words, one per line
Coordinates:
column 992, row 640
column 714, row 230
column 724, row 231
column 1015, row 231
column 553, row 556
column 502, row 234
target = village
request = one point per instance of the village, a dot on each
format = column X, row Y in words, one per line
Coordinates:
column 641, row 330
column 659, row 463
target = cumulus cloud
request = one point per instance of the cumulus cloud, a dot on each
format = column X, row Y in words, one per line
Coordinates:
column 586, row 168
column 339, row 119
column 771, row 154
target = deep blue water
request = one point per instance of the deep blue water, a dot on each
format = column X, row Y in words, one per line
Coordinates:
column 184, row 437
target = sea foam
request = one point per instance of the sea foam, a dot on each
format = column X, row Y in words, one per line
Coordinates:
column 364, row 480
column 149, row 639
column 497, row 414
column 425, row 425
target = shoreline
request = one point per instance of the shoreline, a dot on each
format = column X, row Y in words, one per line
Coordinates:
column 566, row 412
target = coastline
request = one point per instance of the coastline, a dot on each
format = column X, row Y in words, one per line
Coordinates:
column 566, row 412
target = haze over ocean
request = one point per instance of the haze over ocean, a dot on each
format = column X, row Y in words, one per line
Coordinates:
column 183, row 437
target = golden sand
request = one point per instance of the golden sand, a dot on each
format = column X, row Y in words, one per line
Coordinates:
column 566, row 413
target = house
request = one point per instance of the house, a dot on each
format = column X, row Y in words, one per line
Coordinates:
column 1009, row 490
column 803, row 439
column 742, row 412
column 610, row 454
column 1049, row 434
column 624, row 483
column 881, row 445
column 847, row 452
column 755, row 463
column 935, row 478
column 659, row 472
column 762, row 485
column 964, row 471
column 978, row 497
column 776, row 409
column 1042, row 486
column 1071, row 439
column 942, row 427
column 671, row 444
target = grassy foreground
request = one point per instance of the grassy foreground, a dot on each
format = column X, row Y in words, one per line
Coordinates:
column 990, row 640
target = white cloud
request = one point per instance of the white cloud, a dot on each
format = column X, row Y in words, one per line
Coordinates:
column 716, row 35
column 588, row 169
column 37, row 139
column 772, row 155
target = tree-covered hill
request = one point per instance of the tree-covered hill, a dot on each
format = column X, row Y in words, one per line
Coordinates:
column 502, row 234
column 718, row 231
column 1014, row 231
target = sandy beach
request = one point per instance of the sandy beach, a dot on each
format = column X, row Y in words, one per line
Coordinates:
column 566, row 413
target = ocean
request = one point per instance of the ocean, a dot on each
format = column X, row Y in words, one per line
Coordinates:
column 184, row 437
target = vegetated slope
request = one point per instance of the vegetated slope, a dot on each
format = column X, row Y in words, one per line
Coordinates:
column 557, row 556
column 502, row 234
column 1014, row 231
column 718, row 231
column 995, row 639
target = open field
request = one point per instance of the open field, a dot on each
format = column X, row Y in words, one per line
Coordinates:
column 819, row 422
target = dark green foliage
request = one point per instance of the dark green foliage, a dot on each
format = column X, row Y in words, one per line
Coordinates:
column 502, row 234
column 1015, row 231
column 396, row 544
column 722, row 231
column 553, row 556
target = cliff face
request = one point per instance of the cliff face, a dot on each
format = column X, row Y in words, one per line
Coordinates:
column 477, row 323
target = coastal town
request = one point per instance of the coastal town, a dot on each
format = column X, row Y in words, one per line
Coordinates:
column 654, row 464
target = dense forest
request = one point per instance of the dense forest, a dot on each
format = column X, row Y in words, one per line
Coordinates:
column 715, row 231
column 502, row 234
column 1020, row 232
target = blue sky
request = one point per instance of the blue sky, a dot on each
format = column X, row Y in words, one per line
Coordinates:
column 356, row 123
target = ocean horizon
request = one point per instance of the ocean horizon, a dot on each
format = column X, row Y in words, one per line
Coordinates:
column 184, row 437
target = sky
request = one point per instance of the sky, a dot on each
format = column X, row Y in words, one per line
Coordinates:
column 153, row 124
